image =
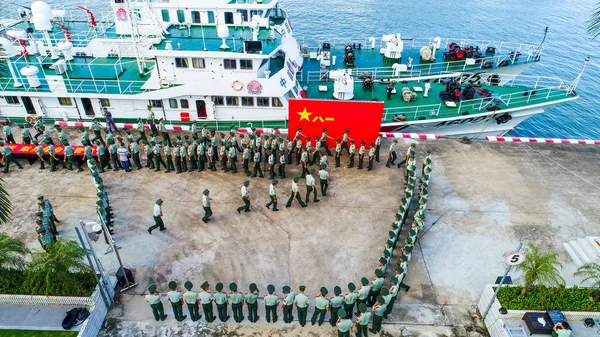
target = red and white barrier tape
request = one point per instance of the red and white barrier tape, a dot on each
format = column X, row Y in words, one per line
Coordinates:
column 541, row 140
column 410, row 135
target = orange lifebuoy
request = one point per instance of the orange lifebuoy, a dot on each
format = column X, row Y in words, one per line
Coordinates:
column 164, row 83
column 237, row 85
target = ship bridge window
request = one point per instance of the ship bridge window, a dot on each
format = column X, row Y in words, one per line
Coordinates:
column 228, row 18
column 262, row 101
column 180, row 16
column 254, row 12
column 181, row 62
column 172, row 103
column 65, row 101
column 277, row 102
column 195, row 17
column 246, row 64
column 104, row 102
column 165, row 15
column 232, row 100
column 198, row 63
column 211, row 16
column 217, row 100
column 247, row 101
column 230, row 64
column 119, row 1
column 184, row 103
column 244, row 14
column 155, row 103
column 12, row 99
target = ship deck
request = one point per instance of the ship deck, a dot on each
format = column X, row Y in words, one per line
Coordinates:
column 432, row 107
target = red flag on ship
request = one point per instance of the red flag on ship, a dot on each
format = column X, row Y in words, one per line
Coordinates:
column 362, row 118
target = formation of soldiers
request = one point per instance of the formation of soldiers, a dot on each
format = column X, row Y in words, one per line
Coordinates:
column 45, row 223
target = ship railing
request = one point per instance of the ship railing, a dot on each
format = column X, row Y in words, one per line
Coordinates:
column 112, row 87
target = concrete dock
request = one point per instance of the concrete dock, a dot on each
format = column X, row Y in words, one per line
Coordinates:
column 484, row 199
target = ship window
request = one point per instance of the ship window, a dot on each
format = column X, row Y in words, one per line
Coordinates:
column 12, row 99
column 229, row 64
column 254, row 12
column 247, row 101
column 104, row 102
column 198, row 63
column 232, row 100
column 195, row 17
column 277, row 102
column 181, row 62
column 217, row 100
column 165, row 15
column 244, row 14
column 119, row 1
column 172, row 103
column 184, row 103
column 65, row 101
column 246, row 64
column 156, row 103
column 262, row 101
column 180, row 16
column 211, row 17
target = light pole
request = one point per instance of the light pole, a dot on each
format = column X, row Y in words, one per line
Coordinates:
column 512, row 259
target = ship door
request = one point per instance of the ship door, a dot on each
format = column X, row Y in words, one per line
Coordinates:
column 201, row 109
column 28, row 104
column 229, row 18
column 88, row 108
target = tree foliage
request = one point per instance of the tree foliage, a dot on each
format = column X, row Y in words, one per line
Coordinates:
column 540, row 269
column 12, row 253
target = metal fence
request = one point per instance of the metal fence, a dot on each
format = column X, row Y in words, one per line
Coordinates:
column 98, row 311
column 45, row 300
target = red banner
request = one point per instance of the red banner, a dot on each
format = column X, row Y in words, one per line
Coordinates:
column 29, row 149
column 362, row 118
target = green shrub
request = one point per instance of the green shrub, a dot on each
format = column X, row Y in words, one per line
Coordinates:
column 549, row 298
column 14, row 282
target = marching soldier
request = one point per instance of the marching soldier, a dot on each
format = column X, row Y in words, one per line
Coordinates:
column 336, row 304
column 85, row 135
column 324, row 180
column 232, row 158
column 136, row 154
column 316, row 153
column 302, row 304
column 149, row 154
column 206, row 298
column 392, row 154
column 103, row 161
column 164, row 133
column 310, row 186
column 62, row 136
column 191, row 299
column 308, row 151
column 323, row 158
column 7, row 157
column 426, row 161
column 282, row 165
column 25, row 134
column 298, row 150
column 221, row 301
column 141, row 131
column 295, row 194
column 177, row 154
column 378, row 309
column 176, row 300
column 288, row 304
column 157, row 214
column 387, row 297
column 52, row 154
column 361, row 155
column 351, row 153
column 206, row 205
column 96, row 128
column 304, row 162
column 338, row 152
column 401, row 273
column 70, row 156
column 411, row 149
column 321, row 307
column 271, row 302
column 273, row 195
column 377, row 147
column 39, row 151
column 343, row 324
column 191, row 155
column 271, row 164
column 112, row 152
column 252, row 303
column 345, row 139
column 169, row 156
column 245, row 198
column 237, row 301
column 376, row 285
column 363, row 292
column 184, row 154
column 153, row 298
column 246, row 159
column 324, row 142
column 372, row 154
column 158, row 157
column 256, row 164
column 362, row 321
column 349, row 299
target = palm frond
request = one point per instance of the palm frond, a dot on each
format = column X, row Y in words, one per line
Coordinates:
column 12, row 252
column 5, row 204
column 593, row 23
column 540, row 269
column 589, row 272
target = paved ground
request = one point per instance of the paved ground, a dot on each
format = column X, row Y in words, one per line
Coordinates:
column 34, row 317
column 484, row 200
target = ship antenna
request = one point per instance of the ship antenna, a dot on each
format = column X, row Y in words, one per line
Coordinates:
column 575, row 83
column 203, row 40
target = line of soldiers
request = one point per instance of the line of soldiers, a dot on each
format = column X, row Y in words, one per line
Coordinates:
column 103, row 207
column 45, row 223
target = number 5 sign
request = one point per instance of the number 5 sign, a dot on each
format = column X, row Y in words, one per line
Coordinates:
column 514, row 259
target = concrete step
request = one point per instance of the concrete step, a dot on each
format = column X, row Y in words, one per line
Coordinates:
column 587, row 248
column 583, row 250
column 594, row 242
column 572, row 254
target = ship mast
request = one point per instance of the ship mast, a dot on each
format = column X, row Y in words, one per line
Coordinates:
column 575, row 83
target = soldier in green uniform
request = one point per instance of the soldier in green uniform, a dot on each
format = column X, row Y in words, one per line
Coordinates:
column 183, row 153
column 387, row 297
column 206, row 298
column 246, row 159
column 351, row 153
column 62, row 136
column 302, row 303
column 176, row 300
column 311, row 186
column 324, row 137
column 349, row 299
column 112, row 152
column 256, row 164
column 221, row 302
column 321, row 307
column 48, row 135
column 158, row 157
column 271, row 302
column 136, row 154
column 336, row 304
column 7, row 157
column 141, row 133
column 95, row 127
column 377, row 147
column 245, row 198
column 25, row 134
column 70, row 156
column 223, row 156
column 206, row 205
column 289, row 151
column 376, row 285
column 149, row 154
column 232, row 157
column 10, row 139
column 163, row 131
column 392, row 154
column 39, row 151
column 282, row 162
column 153, row 298
column 324, row 180
column 52, row 155
column 371, row 157
column 411, row 149
column 271, row 166
column 361, row 155
column 273, row 195
column 304, row 162
column 169, row 156
column 295, row 193
column 288, row 304
column 191, row 299
column 363, row 292
column 338, row 152
column 379, row 310
column 192, row 155
column 362, row 321
column 343, row 324
column 177, row 155
column 237, row 301
column 252, row 303
column 201, row 154
column 157, row 215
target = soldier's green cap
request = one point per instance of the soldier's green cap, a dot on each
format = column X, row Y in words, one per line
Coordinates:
column 204, row 125
column 302, row 288
column 178, row 136
column 222, row 142
column 179, row 143
column 392, row 234
column 407, row 194
column 273, row 136
column 364, row 281
column 286, row 289
column 100, row 194
column 105, row 130
column 144, row 141
column 337, row 290
column 39, row 213
column 274, row 181
column 395, row 140
column 323, row 291
column 205, row 192
column 221, row 134
column 423, row 199
column 398, row 215
column 323, row 166
column 390, row 243
column 269, row 151
column 362, row 307
column 409, row 239
column 385, row 291
column 101, row 187
column 312, row 170
column 412, row 167
column 172, row 285
column 232, row 286
column 322, row 151
column 270, row 288
column 219, row 286
column 98, row 179
column 58, row 128
column 164, row 142
column 428, row 160
column 204, row 285
column 152, row 288
column 128, row 131
column 409, row 187
column 428, row 168
column 425, row 176
column 186, row 137
column 386, row 253
column 307, row 138
column 253, row 287
column 341, row 313
column 35, row 142
column 394, row 279
column 400, row 269
column 188, row 285
column 246, row 183
column 383, row 260
column 81, row 129
column 351, row 286
column 412, row 152
column 395, row 225
column 424, row 191
column 159, row 201
column 408, row 248
column 411, row 180
column 379, row 272
column 296, row 179
column 324, row 129
column 40, row 230
column 95, row 174
column 413, row 144
column 46, row 141
column 380, row 299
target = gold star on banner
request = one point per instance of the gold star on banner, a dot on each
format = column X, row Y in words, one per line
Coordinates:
column 304, row 115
